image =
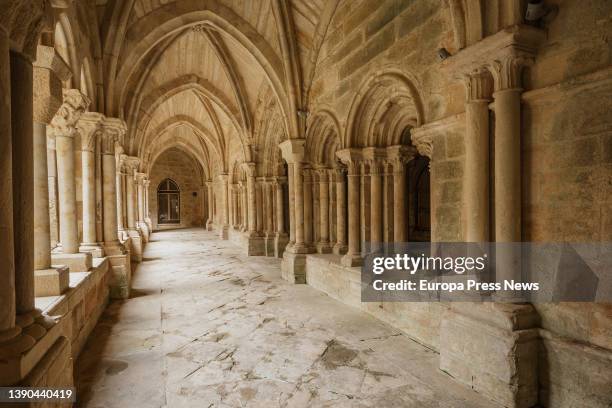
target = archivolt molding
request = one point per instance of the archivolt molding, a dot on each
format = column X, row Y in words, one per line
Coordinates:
column 160, row 148
column 323, row 137
column 385, row 105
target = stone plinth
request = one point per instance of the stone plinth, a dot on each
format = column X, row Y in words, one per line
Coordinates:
column 51, row 282
column 80, row 262
column 493, row 349
column 293, row 267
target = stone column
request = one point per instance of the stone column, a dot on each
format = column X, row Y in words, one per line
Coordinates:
column 308, row 212
column 223, row 185
column 63, row 129
column 476, row 174
column 340, row 245
column 374, row 159
column 89, row 129
column 52, row 173
column 209, row 198
column 141, row 225
column 291, row 193
column 507, row 99
column 259, row 206
column 365, row 188
column 8, row 331
column 323, row 246
column 21, row 109
column 388, row 202
column 122, row 174
column 398, row 156
column 252, row 212
column 147, row 214
column 49, row 71
column 244, row 198
column 131, row 166
column 113, row 131
column 281, row 236
column 351, row 158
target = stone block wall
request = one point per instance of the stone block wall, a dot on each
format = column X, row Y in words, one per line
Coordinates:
column 180, row 167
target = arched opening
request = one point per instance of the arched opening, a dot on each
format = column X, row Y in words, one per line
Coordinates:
column 169, row 202
column 419, row 219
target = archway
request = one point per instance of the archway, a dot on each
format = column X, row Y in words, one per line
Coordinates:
column 168, row 202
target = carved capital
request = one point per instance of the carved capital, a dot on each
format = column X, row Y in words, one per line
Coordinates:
column 478, row 85
column 399, row 155
column 293, row 150
column 423, row 143
column 64, row 122
column 131, row 164
column 249, row 168
column 49, row 70
column 351, row 158
column 113, row 131
column 140, row 178
column 89, row 127
column 507, row 71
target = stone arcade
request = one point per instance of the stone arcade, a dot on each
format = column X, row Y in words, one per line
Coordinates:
column 308, row 134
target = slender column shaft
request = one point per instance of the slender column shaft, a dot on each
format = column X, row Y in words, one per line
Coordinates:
column 89, row 196
column 340, row 214
column 52, row 186
column 23, row 180
column 245, row 208
column 109, row 179
column 298, row 185
column 269, row 208
column 399, row 201
column 252, row 221
column 280, row 220
column 140, row 203
column 131, row 201
column 308, row 212
column 476, row 174
column 324, row 212
column 67, row 194
column 121, row 186
column 376, row 213
column 209, row 196
column 42, row 228
column 259, row 205
column 7, row 249
column 508, row 165
column 354, row 209
column 291, row 188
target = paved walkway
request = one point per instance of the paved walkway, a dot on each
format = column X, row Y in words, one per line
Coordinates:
column 209, row 327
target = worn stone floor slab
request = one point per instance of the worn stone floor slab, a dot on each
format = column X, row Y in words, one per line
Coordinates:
column 209, row 327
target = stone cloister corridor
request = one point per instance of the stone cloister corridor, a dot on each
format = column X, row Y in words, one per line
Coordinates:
column 208, row 326
column 208, row 203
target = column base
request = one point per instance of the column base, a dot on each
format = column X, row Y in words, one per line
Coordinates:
column 324, row 248
column 51, row 282
column 209, row 225
column 80, row 262
column 280, row 243
column 28, row 361
column 293, row 267
column 352, row 260
column 492, row 348
column 255, row 245
column 144, row 231
column 120, row 268
column 339, row 249
column 137, row 244
column 94, row 249
column 223, row 231
column 149, row 224
column 269, row 240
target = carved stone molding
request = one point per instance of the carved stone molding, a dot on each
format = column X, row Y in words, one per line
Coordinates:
column 49, row 70
column 113, row 132
column 64, row 122
column 293, row 150
column 479, row 85
column 89, row 127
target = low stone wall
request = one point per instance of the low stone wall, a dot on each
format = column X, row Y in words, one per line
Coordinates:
column 495, row 349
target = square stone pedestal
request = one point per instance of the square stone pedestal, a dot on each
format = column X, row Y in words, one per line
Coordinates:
column 269, row 244
column 223, row 232
column 255, row 245
column 293, row 267
column 493, row 349
column 280, row 242
column 51, row 282
column 137, row 245
column 95, row 250
column 120, row 270
column 80, row 262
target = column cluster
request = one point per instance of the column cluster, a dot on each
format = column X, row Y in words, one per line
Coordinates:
column 376, row 199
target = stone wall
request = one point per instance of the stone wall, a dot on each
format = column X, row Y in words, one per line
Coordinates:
column 180, row 167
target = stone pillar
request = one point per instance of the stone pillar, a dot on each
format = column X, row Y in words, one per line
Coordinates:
column 21, row 73
column 507, row 99
column 476, row 174
column 89, row 129
column 259, row 206
column 398, row 156
column 291, row 194
column 244, row 199
column 132, row 205
column 281, row 236
column 323, row 246
column 113, row 131
column 340, row 245
column 141, row 225
column 49, row 70
column 209, row 198
column 351, row 158
column 308, row 211
column 122, row 175
column 251, row 204
column 223, row 185
column 13, row 339
column 365, row 187
column 53, row 205
column 147, row 214
column 63, row 129
column 374, row 158
column 268, row 204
